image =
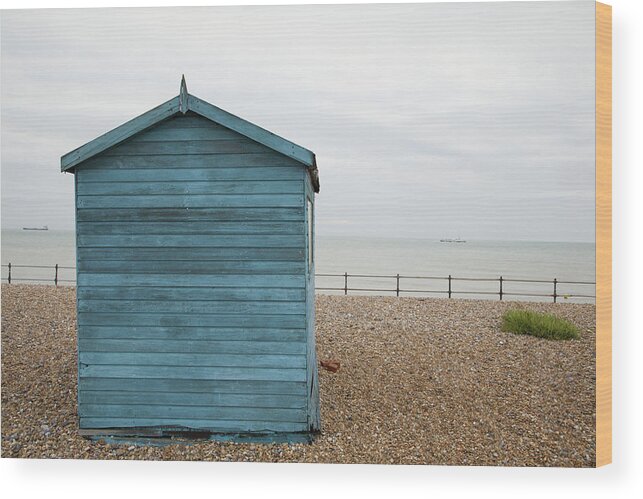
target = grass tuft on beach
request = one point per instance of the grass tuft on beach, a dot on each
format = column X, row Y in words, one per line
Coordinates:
column 539, row 324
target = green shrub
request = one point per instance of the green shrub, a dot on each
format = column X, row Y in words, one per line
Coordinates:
column 540, row 325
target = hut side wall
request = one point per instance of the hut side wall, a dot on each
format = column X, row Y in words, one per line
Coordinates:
column 192, row 285
column 311, row 354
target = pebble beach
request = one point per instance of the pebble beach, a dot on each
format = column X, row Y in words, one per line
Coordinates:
column 422, row 381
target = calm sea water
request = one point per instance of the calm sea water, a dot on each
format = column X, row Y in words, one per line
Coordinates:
column 473, row 259
column 373, row 256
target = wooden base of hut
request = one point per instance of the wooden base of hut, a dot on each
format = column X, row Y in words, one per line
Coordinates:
column 170, row 436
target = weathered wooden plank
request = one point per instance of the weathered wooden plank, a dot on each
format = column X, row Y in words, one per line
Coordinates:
column 192, row 201
column 196, row 412
column 188, row 174
column 187, row 345
column 188, row 188
column 181, row 132
column 198, row 227
column 214, row 426
column 193, row 320
column 193, row 267
column 193, row 386
column 187, row 334
column 119, row 134
column 98, row 397
column 193, row 307
column 187, row 294
column 198, row 254
column 212, row 215
column 196, row 280
column 179, row 242
column 191, row 360
column 184, row 147
column 173, row 158
column 187, row 120
column 193, row 372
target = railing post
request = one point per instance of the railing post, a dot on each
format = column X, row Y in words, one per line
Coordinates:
column 500, row 288
column 555, row 285
column 56, row 276
column 9, row 276
column 449, row 285
column 345, row 283
column 397, row 288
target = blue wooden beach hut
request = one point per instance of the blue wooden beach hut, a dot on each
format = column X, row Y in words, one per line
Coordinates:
column 195, row 278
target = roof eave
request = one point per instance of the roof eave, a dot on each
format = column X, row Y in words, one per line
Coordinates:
column 252, row 131
column 119, row 134
column 181, row 104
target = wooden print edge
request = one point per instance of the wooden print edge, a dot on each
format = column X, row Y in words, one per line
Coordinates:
column 603, row 234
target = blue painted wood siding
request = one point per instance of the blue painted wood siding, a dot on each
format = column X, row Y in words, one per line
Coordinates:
column 193, row 289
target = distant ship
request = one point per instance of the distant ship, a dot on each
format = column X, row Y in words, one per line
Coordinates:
column 44, row 227
column 456, row 240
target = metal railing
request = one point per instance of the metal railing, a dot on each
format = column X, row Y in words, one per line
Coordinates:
column 399, row 289
column 449, row 288
column 56, row 268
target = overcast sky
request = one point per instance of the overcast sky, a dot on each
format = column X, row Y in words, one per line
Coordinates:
column 428, row 120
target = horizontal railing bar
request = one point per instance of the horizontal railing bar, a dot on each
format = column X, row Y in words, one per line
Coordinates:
column 546, row 282
column 558, row 295
column 456, row 292
column 551, row 281
column 387, row 276
column 567, row 295
column 362, row 276
column 44, row 279
column 422, row 277
column 31, row 266
column 37, row 266
column 368, row 275
column 550, row 295
column 485, row 279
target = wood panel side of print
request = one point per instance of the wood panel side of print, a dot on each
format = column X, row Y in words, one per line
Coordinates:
column 603, row 234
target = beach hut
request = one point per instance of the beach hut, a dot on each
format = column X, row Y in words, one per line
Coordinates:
column 195, row 278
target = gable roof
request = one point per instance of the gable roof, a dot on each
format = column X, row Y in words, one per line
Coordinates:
column 183, row 103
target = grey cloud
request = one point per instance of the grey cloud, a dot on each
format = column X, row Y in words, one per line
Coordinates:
column 427, row 119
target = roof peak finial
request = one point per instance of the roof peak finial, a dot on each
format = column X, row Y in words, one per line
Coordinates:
column 183, row 96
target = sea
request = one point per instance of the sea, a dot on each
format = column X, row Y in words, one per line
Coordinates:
column 372, row 265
